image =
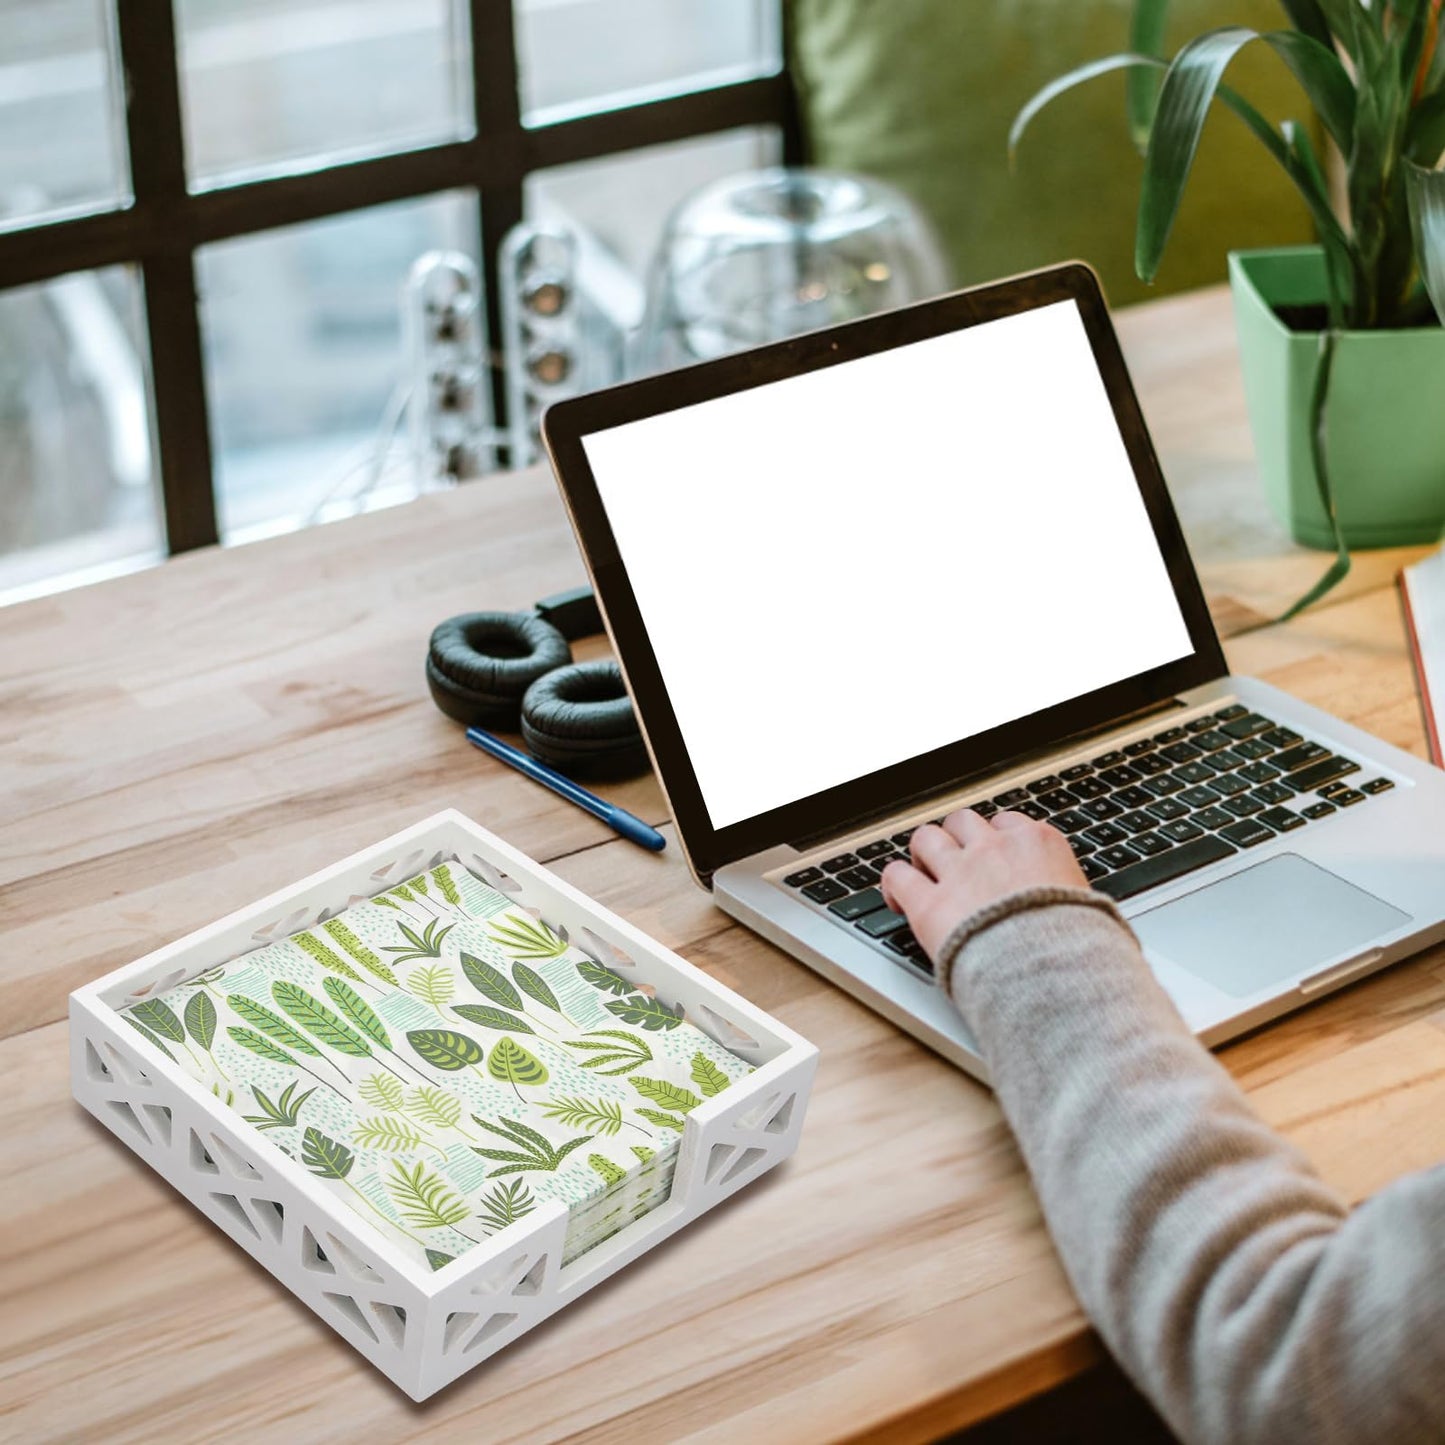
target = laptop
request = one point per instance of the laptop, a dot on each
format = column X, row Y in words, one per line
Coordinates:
column 927, row 559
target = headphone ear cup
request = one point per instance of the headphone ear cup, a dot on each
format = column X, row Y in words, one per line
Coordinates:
column 579, row 720
column 479, row 665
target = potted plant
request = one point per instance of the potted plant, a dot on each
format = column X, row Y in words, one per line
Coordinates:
column 1344, row 362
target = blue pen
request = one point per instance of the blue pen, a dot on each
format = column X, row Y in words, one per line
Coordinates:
column 618, row 819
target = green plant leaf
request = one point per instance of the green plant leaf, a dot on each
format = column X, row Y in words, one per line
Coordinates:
column 1091, row 70
column 1146, row 37
column 445, row 1049
column 259, row 1045
column 447, row 887
column 612, row 1173
column 665, row 1121
column 201, row 1018
column 602, row 978
column 424, row 1198
column 1426, row 191
column 159, row 1019
column 602, row 1116
column 140, row 1028
column 492, row 1018
column 707, row 1076
column 325, row 1156
column 381, row 1091
column 643, row 1152
column 434, row 1106
column 387, row 1132
column 314, row 1016
column 523, row 937
column 490, row 982
column 427, row 944
column 627, row 1055
column 338, row 930
column 510, row 1063
column 438, row 1258
column 506, row 1204
column 1307, row 17
column 648, row 1013
column 356, row 1009
column 535, row 986
column 285, row 1113
column 269, row 1023
column 434, row 985
column 530, row 1150
column 669, row 1096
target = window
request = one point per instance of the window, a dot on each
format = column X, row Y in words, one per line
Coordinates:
column 199, row 290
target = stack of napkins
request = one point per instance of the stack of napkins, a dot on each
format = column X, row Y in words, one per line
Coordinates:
column 446, row 1063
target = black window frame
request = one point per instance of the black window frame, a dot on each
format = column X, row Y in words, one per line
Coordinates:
column 160, row 231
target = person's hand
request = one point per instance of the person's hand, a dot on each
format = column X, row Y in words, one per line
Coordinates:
column 971, row 862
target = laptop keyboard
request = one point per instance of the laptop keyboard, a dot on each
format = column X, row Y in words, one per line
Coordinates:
column 1136, row 817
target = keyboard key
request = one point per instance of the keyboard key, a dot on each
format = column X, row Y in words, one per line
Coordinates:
column 1247, row 833
column 874, row 850
column 1046, row 784
column 1150, row 872
column 1200, row 797
column 803, row 877
column 1119, row 856
column 1073, row 774
column 1150, row 844
column 1347, row 798
column 1182, row 752
column 1211, row 741
column 1224, row 760
column 1106, row 833
column 1245, row 726
column 1151, row 764
column 1012, row 798
column 1088, row 788
column 860, row 877
column 1137, row 750
column 1243, row 806
column 1109, row 760
column 1330, row 767
column 1120, row 777
column 902, row 839
column 1297, row 757
column 1093, row 870
column 1212, row 818
column 1253, row 748
column 1136, row 822
column 879, row 864
column 1031, row 810
column 1057, row 800
column 1169, row 735
column 1194, row 773
column 1133, row 797
column 1164, row 785
column 838, row 864
column 1331, row 788
column 983, row 808
column 1167, row 808
column 1070, row 821
column 1229, row 784
column 1234, row 710
column 1282, row 820
column 1280, row 738
column 1377, row 785
column 825, row 891
column 1081, row 845
column 1199, row 725
column 1182, row 830
column 1319, row 810
column 857, row 905
column 881, row 923
column 1101, row 809
column 1273, row 793
column 1258, row 772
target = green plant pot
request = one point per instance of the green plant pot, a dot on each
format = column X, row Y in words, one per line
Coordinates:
column 1385, row 426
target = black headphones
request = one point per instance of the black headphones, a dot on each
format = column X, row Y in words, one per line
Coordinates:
column 510, row 669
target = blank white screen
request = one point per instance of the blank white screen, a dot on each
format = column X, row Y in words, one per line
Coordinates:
column 849, row 568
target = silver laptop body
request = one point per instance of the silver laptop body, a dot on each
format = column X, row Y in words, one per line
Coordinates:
column 747, row 528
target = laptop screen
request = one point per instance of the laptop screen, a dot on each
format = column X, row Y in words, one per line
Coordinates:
column 852, row 567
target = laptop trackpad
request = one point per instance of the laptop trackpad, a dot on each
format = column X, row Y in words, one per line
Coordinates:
column 1267, row 923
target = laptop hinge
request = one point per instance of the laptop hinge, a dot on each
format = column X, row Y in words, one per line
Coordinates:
column 1004, row 765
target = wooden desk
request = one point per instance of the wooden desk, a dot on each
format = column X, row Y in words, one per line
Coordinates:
column 175, row 744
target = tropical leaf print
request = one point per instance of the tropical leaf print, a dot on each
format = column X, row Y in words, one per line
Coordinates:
column 707, row 1076
column 159, row 1019
column 602, row 1116
column 319, row 953
column 447, row 887
column 155, row 1039
column 648, row 1013
column 510, row 1063
column 343, row 935
column 523, row 937
column 530, row 1150
column 444, row 1049
column 269, row 1023
column 200, row 1019
column 285, row 1113
column 393, row 1135
column 492, row 1018
column 261, row 1046
column 612, row 1173
column 325, row 1156
column 642, row 1151
column 667, row 1096
column 434, row 985
column 319, row 1020
column 426, row 944
column 356, row 1009
column 386, row 902
column 490, row 982
column 207, row 976
column 424, row 1198
column 664, row 1121
column 438, row 1258
column 381, row 1091
column 418, row 884
column 535, row 986
column 506, row 1204
column 435, row 1107
column 602, row 978
column 610, row 1047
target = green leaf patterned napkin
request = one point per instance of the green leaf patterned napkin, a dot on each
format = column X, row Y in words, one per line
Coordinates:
column 446, row 1063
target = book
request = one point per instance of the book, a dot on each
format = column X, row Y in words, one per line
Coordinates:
column 1422, row 589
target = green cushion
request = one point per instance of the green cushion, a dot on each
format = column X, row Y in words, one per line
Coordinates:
column 922, row 93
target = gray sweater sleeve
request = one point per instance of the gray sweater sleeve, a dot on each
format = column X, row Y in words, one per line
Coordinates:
column 1236, row 1289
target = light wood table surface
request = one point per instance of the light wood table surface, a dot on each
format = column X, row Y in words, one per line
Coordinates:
column 178, row 743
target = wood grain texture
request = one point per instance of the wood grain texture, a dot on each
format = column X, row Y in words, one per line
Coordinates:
column 176, row 744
